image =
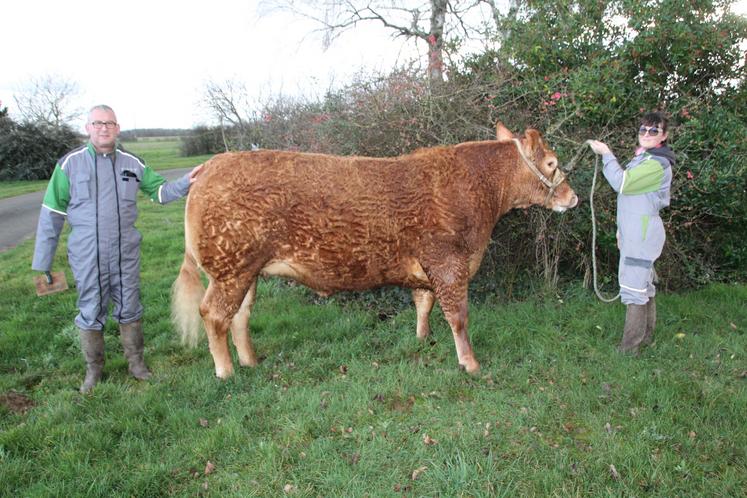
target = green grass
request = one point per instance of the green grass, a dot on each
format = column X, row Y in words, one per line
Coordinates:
column 163, row 154
column 10, row 189
column 343, row 403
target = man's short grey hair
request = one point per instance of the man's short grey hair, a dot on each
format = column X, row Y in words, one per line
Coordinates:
column 101, row 107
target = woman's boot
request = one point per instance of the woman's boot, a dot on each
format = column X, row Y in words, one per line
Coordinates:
column 648, row 337
column 635, row 329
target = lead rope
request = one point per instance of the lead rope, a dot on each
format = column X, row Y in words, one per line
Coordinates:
column 594, row 237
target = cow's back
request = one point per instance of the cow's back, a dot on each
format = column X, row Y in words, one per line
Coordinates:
column 331, row 222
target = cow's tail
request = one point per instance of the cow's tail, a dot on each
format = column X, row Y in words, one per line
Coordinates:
column 186, row 295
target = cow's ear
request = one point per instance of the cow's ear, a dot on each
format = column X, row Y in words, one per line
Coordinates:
column 502, row 134
column 532, row 141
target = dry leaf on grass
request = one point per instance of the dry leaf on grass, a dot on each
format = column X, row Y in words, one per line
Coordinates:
column 614, row 473
column 429, row 441
column 209, row 468
column 416, row 473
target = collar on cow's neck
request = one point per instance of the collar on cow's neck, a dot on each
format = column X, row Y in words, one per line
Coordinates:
column 557, row 177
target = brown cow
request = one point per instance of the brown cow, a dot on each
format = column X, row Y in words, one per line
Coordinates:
column 333, row 223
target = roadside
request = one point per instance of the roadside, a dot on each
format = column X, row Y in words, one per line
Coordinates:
column 19, row 214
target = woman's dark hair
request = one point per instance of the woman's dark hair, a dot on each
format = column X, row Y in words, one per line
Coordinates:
column 655, row 118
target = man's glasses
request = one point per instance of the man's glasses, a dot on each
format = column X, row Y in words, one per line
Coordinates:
column 101, row 124
column 653, row 131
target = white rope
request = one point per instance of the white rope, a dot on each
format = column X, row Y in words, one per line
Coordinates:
column 594, row 237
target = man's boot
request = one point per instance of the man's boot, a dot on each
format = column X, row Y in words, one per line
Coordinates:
column 92, row 345
column 132, row 343
column 648, row 337
column 635, row 329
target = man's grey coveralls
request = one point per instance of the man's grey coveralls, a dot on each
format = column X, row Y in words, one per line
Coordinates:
column 97, row 193
column 643, row 189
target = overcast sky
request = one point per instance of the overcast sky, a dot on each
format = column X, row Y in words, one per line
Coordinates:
column 149, row 60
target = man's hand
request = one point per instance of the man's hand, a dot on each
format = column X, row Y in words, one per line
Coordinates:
column 193, row 174
column 599, row 147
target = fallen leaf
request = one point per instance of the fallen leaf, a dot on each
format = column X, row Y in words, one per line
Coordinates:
column 613, row 472
column 416, row 473
column 608, row 428
column 289, row 488
column 429, row 441
column 209, row 468
column 733, row 327
column 204, row 422
column 343, row 369
column 692, row 434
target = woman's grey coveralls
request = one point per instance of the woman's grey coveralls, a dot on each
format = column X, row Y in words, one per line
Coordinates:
column 97, row 193
column 643, row 189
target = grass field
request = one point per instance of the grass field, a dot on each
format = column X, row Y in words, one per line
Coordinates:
column 10, row 189
column 344, row 404
column 163, row 154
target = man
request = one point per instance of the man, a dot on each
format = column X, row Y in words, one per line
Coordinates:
column 95, row 187
column 643, row 189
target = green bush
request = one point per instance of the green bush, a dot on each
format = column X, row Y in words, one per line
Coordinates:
column 29, row 151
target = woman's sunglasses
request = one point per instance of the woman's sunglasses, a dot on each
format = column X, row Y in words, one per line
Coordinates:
column 653, row 131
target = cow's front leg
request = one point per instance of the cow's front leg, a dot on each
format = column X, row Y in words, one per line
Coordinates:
column 456, row 314
column 449, row 276
column 424, row 300
column 240, row 334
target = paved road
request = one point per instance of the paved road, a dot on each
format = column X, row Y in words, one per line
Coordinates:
column 19, row 214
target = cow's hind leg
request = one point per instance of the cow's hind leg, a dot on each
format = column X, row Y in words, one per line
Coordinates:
column 449, row 277
column 240, row 334
column 221, row 302
column 424, row 300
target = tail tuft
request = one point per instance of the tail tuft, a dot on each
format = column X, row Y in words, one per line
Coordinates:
column 186, row 296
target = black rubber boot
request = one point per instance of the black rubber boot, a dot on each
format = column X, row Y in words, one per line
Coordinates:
column 132, row 343
column 92, row 345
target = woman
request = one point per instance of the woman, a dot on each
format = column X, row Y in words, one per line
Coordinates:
column 643, row 189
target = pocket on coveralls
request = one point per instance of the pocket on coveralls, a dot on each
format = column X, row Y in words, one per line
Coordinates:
column 129, row 185
column 81, row 188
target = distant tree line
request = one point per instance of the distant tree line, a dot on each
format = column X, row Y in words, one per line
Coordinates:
column 132, row 135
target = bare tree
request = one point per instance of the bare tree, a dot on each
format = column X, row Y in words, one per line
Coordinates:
column 49, row 99
column 427, row 21
column 228, row 101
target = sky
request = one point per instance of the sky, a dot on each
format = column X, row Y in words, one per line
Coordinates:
column 150, row 60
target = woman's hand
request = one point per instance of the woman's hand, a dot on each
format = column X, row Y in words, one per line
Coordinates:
column 599, row 147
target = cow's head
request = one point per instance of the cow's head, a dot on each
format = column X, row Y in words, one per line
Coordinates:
column 548, row 186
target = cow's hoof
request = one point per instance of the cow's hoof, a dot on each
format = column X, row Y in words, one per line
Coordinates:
column 472, row 368
column 223, row 374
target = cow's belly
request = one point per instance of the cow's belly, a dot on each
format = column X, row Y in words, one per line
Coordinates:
column 330, row 278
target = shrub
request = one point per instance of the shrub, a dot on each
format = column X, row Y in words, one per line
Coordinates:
column 29, row 151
